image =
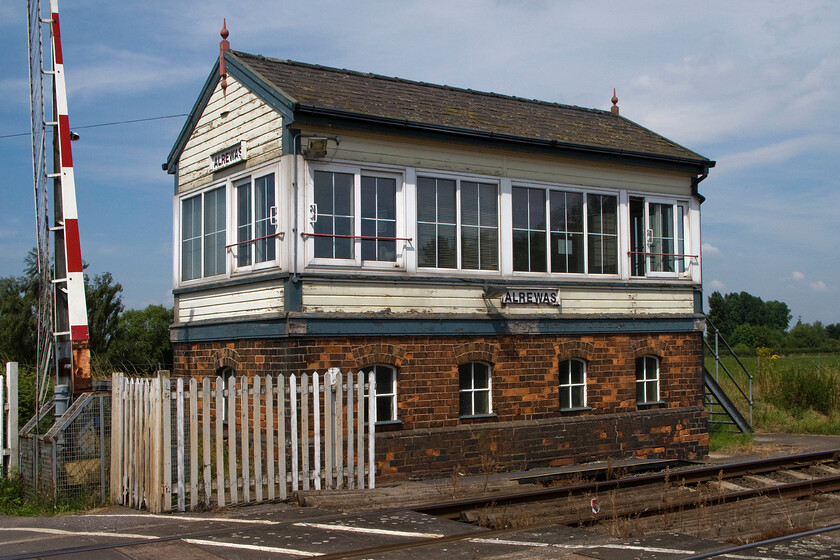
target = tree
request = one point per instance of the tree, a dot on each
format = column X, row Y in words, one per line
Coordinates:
column 804, row 335
column 142, row 339
column 729, row 311
column 18, row 317
column 104, row 304
column 833, row 331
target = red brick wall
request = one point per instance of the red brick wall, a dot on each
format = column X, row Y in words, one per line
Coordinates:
column 528, row 426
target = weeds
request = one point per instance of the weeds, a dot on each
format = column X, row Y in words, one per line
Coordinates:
column 16, row 499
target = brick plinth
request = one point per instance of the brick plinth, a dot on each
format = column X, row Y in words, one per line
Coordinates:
column 527, row 427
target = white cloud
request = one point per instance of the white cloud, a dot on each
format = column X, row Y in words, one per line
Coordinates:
column 116, row 71
column 779, row 152
column 798, row 275
column 819, row 286
column 710, row 250
column 716, row 285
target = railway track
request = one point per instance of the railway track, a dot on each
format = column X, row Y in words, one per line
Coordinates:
column 739, row 503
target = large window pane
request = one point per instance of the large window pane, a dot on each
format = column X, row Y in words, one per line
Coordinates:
column 479, row 226
column 266, row 246
column 436, row 226
column 191, row 238
column 243, row 220
column 602, row 218
column 214, row 232
column 661, row 217
column 379, row 202
column 566, row 232
column 334, row 199
column 529, row 229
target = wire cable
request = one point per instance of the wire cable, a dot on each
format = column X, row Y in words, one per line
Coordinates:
column 106, row 124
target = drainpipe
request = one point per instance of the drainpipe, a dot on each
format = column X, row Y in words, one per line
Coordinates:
column 695, row 183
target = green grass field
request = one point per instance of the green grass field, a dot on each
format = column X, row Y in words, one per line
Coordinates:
column 794, row 394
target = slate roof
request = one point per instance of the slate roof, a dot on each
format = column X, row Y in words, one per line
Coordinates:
column 319, row 89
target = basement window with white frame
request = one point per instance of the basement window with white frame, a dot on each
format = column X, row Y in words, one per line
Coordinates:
column 572, row 384
column 647, row 380
column 474, row 389
column 386, row 393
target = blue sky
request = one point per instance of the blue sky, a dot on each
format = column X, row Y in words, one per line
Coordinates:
column 753, row 85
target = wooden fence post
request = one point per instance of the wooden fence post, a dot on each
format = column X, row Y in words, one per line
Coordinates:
column 166, row 426
column 12, row 445
column 205, row 433
column 116, row 437
column 371, row 428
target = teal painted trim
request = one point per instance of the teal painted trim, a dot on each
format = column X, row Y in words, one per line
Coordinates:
column 262, row 88
column 249, row 79
column 318, row 115
column 301, row 325
column 698, row 300
column 192, row 119
column 265, row 327
column 293, row 294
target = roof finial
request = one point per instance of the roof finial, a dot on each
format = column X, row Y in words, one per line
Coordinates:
column 223, row 46
column 614, row 108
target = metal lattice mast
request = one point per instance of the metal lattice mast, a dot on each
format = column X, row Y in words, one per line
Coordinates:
column 39, row 175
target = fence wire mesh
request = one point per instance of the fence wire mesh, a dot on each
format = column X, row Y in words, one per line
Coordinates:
column 70, row 461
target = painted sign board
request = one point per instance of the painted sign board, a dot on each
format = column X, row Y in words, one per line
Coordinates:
column 228, row 156
column 531, row 297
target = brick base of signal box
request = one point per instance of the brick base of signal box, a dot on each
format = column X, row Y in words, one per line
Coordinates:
column 527, row 428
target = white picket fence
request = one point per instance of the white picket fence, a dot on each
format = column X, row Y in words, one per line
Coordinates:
column 9, row 442
column 276, row 435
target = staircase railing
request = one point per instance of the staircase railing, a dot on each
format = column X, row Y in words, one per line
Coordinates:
column 719, row 344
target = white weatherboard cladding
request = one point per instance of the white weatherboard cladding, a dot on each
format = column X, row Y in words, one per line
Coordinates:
column 231, row 302
column 466, row 159
column 247, row 118
column 372, row 297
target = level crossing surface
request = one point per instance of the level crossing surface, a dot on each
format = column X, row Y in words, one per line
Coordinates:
column 284, row 531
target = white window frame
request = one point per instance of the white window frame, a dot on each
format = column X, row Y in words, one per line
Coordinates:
column 584, row 192
column 472, row 390
column 202, row 277
column 459, row 225
column 228, row 185
column 391, row 395
column 568, row 385
column 398, row 175
column 235, row 183
column 647, row 379
column 676, row 205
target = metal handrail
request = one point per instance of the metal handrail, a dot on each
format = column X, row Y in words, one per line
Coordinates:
column 748, row 396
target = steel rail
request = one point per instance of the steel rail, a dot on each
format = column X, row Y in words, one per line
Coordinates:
column 454, row 508
column 768, row 542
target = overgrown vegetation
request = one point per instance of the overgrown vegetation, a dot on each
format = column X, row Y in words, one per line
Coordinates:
column 15, row 499
column 792, row 393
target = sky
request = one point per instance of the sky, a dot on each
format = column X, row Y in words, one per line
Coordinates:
column 753, row 85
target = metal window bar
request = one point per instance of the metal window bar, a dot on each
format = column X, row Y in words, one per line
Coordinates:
column 662, row 254
column 363, row 237
column 277, row 234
